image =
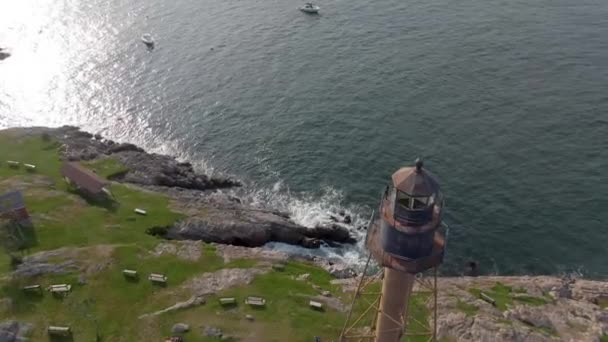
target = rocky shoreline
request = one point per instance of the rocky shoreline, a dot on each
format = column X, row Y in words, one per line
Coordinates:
column 211, row 215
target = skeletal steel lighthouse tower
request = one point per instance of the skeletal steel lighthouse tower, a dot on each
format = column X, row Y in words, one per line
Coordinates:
column 405, row 238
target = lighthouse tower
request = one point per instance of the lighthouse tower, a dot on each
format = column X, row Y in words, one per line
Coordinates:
column 404, row 238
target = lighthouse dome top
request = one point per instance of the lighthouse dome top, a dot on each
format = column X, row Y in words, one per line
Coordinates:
column 416, row 181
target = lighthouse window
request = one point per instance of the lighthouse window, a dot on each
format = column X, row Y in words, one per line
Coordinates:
column 419, row 202
column 404, row 200
column 411, row 203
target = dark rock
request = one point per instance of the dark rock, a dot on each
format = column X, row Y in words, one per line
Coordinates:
column 180, row 328
column 213, row 332
column 125, row 147
column 341, row 271
column 34, row 269
column 83, row 134
column 472, row 269
column 342, row 212
column 310, row 243
column 235, row 199
column 144, row 168
column 253, row 228
column 4, row 55
column 347, row 219
column 333, row 232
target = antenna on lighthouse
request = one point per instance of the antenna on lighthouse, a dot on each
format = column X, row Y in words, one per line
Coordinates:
column 405, row 239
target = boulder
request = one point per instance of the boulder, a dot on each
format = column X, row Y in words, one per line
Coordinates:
column 242, row 226
column 180, row 328
column 124, row 147
column 33, row 269
column 347, row 219
column 144, row 168
column 14, row 331
column 333, row 232
column 341, row 271
column 213, row 332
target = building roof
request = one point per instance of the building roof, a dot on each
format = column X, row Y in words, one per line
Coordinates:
column 83, row 177
column 11, row 202
column 416, row 181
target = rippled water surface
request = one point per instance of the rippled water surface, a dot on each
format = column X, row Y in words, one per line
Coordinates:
column 507, row 101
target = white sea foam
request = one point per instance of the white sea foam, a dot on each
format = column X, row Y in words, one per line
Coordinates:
column 311, row 210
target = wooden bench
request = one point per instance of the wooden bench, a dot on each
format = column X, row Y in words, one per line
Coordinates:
column 158, row 278
column 227, row 301
column 487, row 298
column 129, row 273
column 32, row 288
column 255, row 301
column 12, row 163
column 316, row 305
column 59, row 331
column 60, row 288
column 30, row 167
column 140, row 211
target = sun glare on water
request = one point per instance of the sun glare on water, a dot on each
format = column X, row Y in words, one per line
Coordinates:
column 51, row 44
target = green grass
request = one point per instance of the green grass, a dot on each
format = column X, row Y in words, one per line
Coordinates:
column 418, row 318
column 505, row 296
column 33, row 150
column 468, row 309
column 604, row 338
column 109, row 305
column 603, row 302
column 107, row 167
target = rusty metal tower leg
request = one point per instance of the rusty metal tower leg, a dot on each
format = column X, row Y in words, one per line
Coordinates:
column 396, row 290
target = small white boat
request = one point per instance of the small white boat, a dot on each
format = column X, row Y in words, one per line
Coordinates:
column 147, row 39
column 309, row 7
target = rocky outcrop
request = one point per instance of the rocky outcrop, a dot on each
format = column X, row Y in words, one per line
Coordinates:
column 14, row 331
column 143, row 168
column 576, row 318
column 526, row 311
column 247, row 227
column 66, row 260
column 213, row 216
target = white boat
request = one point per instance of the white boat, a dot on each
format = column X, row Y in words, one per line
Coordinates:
column 309, row 7
column 147, row 39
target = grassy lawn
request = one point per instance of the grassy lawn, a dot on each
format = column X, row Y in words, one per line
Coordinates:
column 506, row 296
column 108, row 305
column 107, row 167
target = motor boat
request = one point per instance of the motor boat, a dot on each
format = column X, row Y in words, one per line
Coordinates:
column 147, row 39
column 309, row 7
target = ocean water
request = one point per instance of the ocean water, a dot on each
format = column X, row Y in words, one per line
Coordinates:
column 506, row 101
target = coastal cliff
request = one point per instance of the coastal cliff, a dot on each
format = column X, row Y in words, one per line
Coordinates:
column 211, row 216
column 209, row 245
